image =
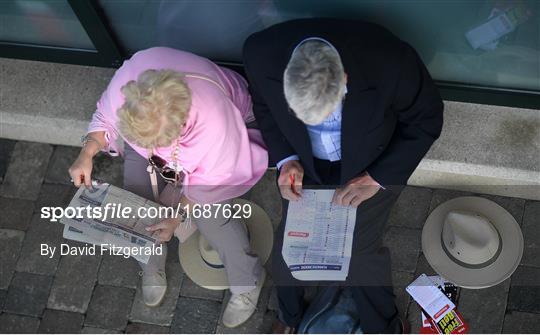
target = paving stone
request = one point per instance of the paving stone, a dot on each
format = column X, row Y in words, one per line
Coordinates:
column 258, row 323
column 514, row 206
column 10, row 246
column 404, row 245
column 41, row 231
column 61, row 160
column 74, row 282
column 191, row 290
column 60, row 322
column 521, row 323
column 422, row 266
column 18, row 324
column 525, row 290
column 195, row 316
column 266, row 194
column 145, row 328
column 108, row 169
column 164, row 313
column 109, row 307
column 16, row 213
column 411, row 208
column 401, row 280
column 6, row 148
column 119, row 271
column 531, row 234
column 484, row 309
column 54, row 195
column 28, row 294
column 95, row 330
column 26, row 170
column 441, row 195
column 3, row 294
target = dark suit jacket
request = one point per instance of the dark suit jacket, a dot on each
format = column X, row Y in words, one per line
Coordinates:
column 392, row 112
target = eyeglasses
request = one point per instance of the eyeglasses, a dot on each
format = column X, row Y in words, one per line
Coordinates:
column 168, row 174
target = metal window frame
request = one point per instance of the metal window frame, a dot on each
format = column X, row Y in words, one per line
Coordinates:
column 489, row 95
column 108, row 53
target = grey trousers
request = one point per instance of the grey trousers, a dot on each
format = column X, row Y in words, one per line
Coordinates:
column 227, row 236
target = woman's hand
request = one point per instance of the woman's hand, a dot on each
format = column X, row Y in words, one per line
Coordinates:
column 81, row 170
column 165, row 228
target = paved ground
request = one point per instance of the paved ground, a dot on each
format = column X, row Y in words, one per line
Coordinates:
column 101, row 294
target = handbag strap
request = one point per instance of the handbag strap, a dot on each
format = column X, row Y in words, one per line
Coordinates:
column 203, row 77
column 153, row 181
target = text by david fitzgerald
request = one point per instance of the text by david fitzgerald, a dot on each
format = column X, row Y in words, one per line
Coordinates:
column 102, row 249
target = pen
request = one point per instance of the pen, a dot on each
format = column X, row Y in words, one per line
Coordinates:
column 291, row 177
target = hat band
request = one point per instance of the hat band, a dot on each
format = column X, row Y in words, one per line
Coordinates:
column 215, row 266
column 221, row 266
column 474, row 266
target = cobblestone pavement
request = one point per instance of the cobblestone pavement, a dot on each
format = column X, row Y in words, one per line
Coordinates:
column 91, row 294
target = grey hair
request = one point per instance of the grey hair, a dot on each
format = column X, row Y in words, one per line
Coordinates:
column 314, row 81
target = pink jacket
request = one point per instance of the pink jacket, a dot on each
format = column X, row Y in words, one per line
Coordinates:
column 220, row 157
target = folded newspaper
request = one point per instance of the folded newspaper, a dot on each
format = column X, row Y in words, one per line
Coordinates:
column 109, row 229
column 318, row 237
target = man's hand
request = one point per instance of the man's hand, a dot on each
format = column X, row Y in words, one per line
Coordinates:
column 356, row 191
column 290, row 180
column 165, row 228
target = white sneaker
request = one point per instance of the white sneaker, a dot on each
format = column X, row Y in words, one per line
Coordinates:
column 154, row 286
column 242, row 306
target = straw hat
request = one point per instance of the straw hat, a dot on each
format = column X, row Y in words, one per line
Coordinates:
column 203, row 265
column 472, row 242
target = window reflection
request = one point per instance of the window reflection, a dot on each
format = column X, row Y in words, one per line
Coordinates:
column 487, row 43
column 50, row 23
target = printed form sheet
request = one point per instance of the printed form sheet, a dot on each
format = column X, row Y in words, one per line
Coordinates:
column 318, row 237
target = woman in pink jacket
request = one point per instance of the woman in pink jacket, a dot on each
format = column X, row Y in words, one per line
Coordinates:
column 187, row 117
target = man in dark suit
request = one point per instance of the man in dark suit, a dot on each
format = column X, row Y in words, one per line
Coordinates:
column 347, row 105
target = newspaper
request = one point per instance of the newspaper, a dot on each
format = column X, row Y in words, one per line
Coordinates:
column 318, row 237
column 111, row 231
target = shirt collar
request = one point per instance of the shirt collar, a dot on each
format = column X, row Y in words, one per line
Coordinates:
column 336, row 114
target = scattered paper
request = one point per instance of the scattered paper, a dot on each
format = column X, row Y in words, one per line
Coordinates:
column 430, row 298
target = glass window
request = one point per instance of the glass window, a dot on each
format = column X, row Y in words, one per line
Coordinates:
column 484, row 42
column 44, row 23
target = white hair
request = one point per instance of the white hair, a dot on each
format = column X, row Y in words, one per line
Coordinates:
column 314, row 81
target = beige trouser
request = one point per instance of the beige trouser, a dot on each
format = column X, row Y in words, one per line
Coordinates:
column 228, row 237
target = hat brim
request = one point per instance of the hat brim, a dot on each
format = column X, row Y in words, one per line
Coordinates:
column 261, row 238
column 474, row 278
